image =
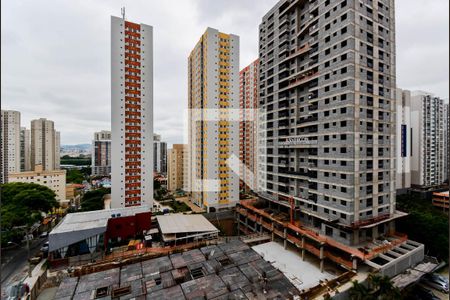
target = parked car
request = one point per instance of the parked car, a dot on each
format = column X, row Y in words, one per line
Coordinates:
column 437, row 276
column 436, row 282
column 44, row 234
column 425, row 294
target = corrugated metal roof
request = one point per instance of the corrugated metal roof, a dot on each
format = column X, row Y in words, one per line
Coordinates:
column 176, row 223
column 75, row 227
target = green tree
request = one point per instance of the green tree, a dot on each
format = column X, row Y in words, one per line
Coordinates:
column 23, row 204
column 422, row 219
column 93, row 200
column 378, row 288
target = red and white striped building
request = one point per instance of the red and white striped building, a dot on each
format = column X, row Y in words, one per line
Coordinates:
column 248, row 104
column 131, row 113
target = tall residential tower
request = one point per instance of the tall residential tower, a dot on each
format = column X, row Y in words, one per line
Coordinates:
column 429, row 147
column 213, row 82
column 45, row 145
column 9, row 144
column 327, row 134
column 101, row 153
column 248, row 105
column 131, row 113
column 159, row 155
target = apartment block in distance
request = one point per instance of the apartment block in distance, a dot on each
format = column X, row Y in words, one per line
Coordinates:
column 327, row 129
column 25, row 149
column 403, row 141
column 45, row 144
column 177, row 167
column 9, row 144
column 428, row 145
column 159, row 155
column 101, row 153
column 213, row 137
column 131, row 113
column 248, row 104
column 53, row 179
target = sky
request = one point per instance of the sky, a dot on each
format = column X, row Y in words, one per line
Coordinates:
column 55, row 55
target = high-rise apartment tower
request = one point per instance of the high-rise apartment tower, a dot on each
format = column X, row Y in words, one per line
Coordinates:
column 428, row 145
column 159, row 155
column 403, row 141
column 9, row 144
column 248, row 104
column 45, row 145
column 131, row 113
column 213, row 82
column 327, row 134
column 101, row 153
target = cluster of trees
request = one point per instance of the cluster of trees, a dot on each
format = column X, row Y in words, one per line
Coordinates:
column 377, row 287
column 424, row 224
column 93, row 200
column 23, row 205
column 77, row 176
column 77, row 161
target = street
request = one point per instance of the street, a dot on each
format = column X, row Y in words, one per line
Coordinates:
column 14, row 263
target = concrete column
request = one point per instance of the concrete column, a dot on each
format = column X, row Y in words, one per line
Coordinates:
column 285, row 238
column 321, row 258
column 355, row 264
column 303, row 248
column 273, row 235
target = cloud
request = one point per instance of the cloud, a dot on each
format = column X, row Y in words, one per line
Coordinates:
column 55, row 55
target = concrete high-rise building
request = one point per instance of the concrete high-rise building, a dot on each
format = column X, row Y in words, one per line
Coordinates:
column 428, row 144
column 248, row 126
column 213, row 137
column 101, row 153
column 45, row 144
column 25, row 149
column 446, row 143
column 131, row 113
column 9, row 143
column 159, row 155
column 403, row 141
column 327, row 134
column 177, row 167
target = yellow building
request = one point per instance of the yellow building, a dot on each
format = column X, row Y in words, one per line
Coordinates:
column 213, row 134
column 53, row 179
column 177, row 167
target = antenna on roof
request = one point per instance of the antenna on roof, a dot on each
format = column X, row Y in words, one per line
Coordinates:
column 122, row 11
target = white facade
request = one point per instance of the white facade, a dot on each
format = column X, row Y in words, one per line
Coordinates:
column 446, row 142
column 45, row 144
column 159, row 155
column 101, row 153
column 131, row 113
column 9, row 143
column 403, row 140
column 214, row 86
column 25, row 149
column 54, row 180
column 428, row 144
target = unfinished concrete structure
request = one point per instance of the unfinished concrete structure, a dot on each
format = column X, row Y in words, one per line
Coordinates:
column 225, row 271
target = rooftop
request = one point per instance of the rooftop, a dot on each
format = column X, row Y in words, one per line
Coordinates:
column 80, row 225
column 224, row 271
column 177, row 223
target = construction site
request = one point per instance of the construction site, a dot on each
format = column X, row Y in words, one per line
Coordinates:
column 391, row 254
column 229, row 270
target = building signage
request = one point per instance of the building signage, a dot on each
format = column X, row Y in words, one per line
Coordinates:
column 297, row 141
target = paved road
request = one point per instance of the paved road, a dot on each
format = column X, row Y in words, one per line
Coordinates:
column 17, row 260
